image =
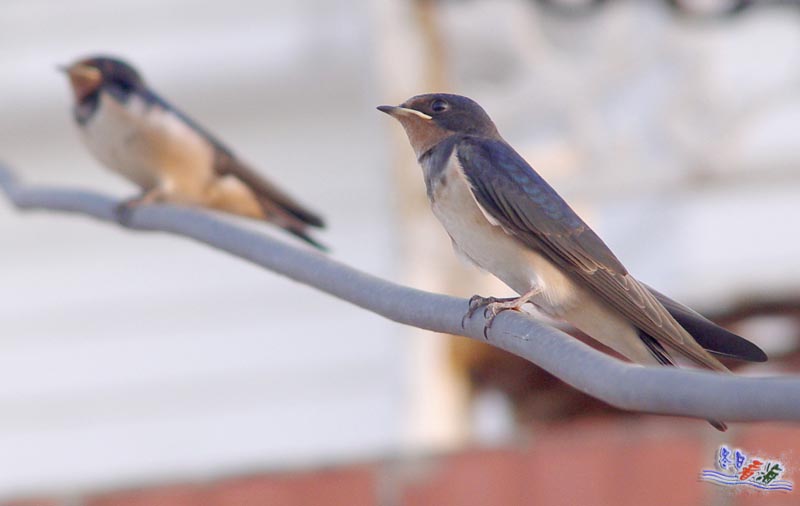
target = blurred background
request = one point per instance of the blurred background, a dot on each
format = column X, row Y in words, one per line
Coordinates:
column 144, row 369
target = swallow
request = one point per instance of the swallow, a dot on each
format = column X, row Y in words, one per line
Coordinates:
column 133, row 131
column 503, row 217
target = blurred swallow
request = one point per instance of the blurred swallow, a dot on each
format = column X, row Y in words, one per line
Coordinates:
column 503, row 217
column 136, row 133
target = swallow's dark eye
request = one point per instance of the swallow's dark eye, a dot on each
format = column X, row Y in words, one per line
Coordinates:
column 439, row 105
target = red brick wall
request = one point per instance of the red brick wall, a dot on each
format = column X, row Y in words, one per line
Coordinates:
column 620, row 462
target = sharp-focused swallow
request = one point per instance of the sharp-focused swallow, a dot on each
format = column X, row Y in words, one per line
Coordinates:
column 503, row 217
column 136, row 133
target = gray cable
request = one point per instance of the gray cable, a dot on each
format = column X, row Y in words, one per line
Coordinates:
column 668, row 391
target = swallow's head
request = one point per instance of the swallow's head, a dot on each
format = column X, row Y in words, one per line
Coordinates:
column 88, row 75
column 429, row 119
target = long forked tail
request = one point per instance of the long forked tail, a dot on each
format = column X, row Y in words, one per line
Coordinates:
column 279, row 215
column 708, row 334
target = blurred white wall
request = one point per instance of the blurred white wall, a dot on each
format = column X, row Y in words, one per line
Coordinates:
column 129, row 357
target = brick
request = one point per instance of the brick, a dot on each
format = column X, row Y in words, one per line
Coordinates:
column 172, row 495
column 44, row 501
column 472, row 478
column 652, row 460
column 353, row 486
column 661, row 471
column 572, row 464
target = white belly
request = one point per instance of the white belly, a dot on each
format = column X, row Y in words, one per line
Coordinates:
column 150, row 146
column 489, row 247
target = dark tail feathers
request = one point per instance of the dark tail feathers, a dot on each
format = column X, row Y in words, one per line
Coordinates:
column 709, row 335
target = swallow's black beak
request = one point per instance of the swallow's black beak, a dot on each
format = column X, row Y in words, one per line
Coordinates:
column 396, row 110
column 388, row 109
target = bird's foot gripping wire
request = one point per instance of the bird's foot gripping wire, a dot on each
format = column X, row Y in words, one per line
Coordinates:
column 493, row 306
column 123, row 212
